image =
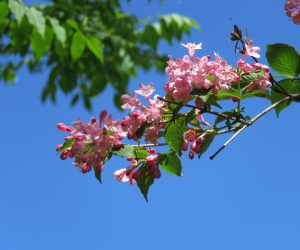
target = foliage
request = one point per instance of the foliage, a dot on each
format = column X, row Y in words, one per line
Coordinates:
column 84, row 44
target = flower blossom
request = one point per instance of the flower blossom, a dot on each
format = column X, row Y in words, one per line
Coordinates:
column 145, row 91
column 292, row 8
column 192, row 47
column 251, row 50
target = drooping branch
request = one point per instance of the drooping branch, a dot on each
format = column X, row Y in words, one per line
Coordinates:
column 253, row 120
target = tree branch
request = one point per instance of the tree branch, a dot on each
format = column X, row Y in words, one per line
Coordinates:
column 287, row 98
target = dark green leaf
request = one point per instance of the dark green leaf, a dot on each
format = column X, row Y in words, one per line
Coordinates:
column 174, row 134
column 78, row 45
column 292, row 86
column 145, row 181
column 283, row 58
column 36, row 18
column 97, row 172
column 171, row 163
column 3, row 10
column 208, row 139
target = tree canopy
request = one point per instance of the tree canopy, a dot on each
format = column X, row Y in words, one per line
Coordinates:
column 85, row 44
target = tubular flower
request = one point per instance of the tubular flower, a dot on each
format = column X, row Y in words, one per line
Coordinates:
column 292, row 8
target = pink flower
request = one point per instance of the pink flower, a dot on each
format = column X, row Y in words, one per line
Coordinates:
column 145, row 91
column 130, row 102
column 192, row 48
column 292, row 8
column 120, row 175
column 251, row 50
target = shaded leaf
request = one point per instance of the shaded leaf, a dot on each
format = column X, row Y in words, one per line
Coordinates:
column 292, row 86
column 3, row 10
column 145, row 181
column 208, row 139
column 39, row 44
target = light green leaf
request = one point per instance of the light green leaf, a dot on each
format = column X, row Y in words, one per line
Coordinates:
column 170, row 163
column 95, row 46
column 67, row 144
column 36, row 18
column 73, row 24
column 59, row 30
column 39, row 44
column 283, row 58
column 131, row 151
column 174, row 134
column 77, row 45
column 17, row 8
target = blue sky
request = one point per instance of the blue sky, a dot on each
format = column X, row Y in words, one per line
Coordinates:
column 247, row 198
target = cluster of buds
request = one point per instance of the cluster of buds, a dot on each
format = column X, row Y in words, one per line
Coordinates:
column 193, row 140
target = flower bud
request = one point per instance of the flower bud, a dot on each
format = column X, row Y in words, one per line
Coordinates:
column 191, row 154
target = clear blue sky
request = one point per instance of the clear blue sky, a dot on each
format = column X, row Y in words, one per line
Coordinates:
column 247, row 198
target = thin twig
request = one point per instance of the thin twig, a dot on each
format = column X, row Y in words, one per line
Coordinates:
column 212, row 112
column 287, row 98
column 151, row 145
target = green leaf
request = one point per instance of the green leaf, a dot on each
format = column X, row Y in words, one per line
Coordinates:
column 4, row 11
column 292, row 86
column 145, row 181
column 283, row 58
column 73, row 24
column 39, row 44
column 174, row 134
column 77, row 45
column 150, row 36
column 170, row 163
column 208, row 139
column 36, row 18
column 97, row 172
column 227, row 94
column 251, row 77
column 95, row 46
column 67, row 144
column 18, row 9
column 59, row 30
column 131, row 151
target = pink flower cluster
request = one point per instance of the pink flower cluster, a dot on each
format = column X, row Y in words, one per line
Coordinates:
column 292, row 8
column 92, row 142
column 143, row 116
column 201, row 73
